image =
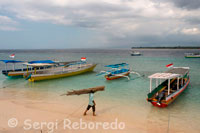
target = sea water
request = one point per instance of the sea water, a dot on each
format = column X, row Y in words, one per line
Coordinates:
column 129, row 94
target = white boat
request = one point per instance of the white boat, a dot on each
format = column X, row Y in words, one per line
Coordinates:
column 192, row 55
column 135, row 53
column 61, row 71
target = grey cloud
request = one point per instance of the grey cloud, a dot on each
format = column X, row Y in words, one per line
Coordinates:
column 185, row 4
column 118, row 24
column 188, row 4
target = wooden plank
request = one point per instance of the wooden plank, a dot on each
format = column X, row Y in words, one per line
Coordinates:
column 85, row 91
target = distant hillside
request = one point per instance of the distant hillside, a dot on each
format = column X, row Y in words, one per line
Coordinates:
column 177, row 47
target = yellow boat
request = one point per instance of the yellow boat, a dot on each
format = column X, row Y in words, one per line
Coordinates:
column 62, row 71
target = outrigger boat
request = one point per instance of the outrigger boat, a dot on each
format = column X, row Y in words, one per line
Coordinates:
column 192, row 55
column 117, row 71
column 172, row 83
column 69, row 69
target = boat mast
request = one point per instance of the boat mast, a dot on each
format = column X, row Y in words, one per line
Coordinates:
column 27, row 70
column 178, row 83
column 13, row 66
column 156, row 82
column 150, row 84
column 182, row 81
column 168, row 86
column 6, row 67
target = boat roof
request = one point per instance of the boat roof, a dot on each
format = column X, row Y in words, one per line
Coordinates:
column 117, row 65
column 41, row 61
column 171, row 73
column 164, row 75
column 178, row 70
column 11, row 61
column 39, row 64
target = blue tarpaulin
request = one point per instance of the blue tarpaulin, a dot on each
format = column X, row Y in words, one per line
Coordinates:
column 117, row 65
column 11, row 61
column 41, row 61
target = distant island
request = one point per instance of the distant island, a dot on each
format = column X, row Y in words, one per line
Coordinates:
column 175, row 47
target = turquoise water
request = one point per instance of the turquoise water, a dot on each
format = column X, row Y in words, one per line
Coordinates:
column 131, row 94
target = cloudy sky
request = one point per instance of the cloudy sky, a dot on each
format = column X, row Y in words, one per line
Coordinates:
column 59, row 24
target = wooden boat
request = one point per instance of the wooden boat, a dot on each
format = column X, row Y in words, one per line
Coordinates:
column 117, row 74
column 62, row 71
column 12, row 72
column 172, row 83
column 21, row 72
column 117, row 71
column 192, row 55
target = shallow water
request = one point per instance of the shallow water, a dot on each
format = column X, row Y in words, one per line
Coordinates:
column 129, row 94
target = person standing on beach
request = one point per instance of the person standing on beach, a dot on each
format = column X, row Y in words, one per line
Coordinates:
column 91, row 103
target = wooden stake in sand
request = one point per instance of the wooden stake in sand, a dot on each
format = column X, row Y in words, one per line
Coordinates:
column 85, row 91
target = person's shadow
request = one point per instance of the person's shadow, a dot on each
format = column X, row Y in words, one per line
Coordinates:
column 104, row 110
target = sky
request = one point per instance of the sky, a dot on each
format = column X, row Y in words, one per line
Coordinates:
column 60, row 24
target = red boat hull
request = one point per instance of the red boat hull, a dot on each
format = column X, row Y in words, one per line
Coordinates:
column 162, row 105
column 116, row 77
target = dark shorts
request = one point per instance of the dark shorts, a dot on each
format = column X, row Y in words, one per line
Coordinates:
column 89, row 106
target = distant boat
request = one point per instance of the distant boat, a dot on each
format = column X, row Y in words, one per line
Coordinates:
column 172, row 83
column 135, row 53
column 192, row 55
column 70, row 69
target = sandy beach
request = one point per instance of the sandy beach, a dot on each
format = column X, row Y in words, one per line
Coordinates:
column 55, row 116
column 57, row 113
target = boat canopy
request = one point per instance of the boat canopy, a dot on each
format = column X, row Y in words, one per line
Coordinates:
column 41, row 61
column 39, row 64
column 179, row 70
column 11, row 61
column 117, row 65
column 163, row 76
column 171, row 73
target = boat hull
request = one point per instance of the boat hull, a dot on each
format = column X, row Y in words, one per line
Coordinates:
column 47, row 77
column 116, row 77
column 19, row 72
column 13, row 74
column 192, row 56
column 170, row 98
column 136, row 54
